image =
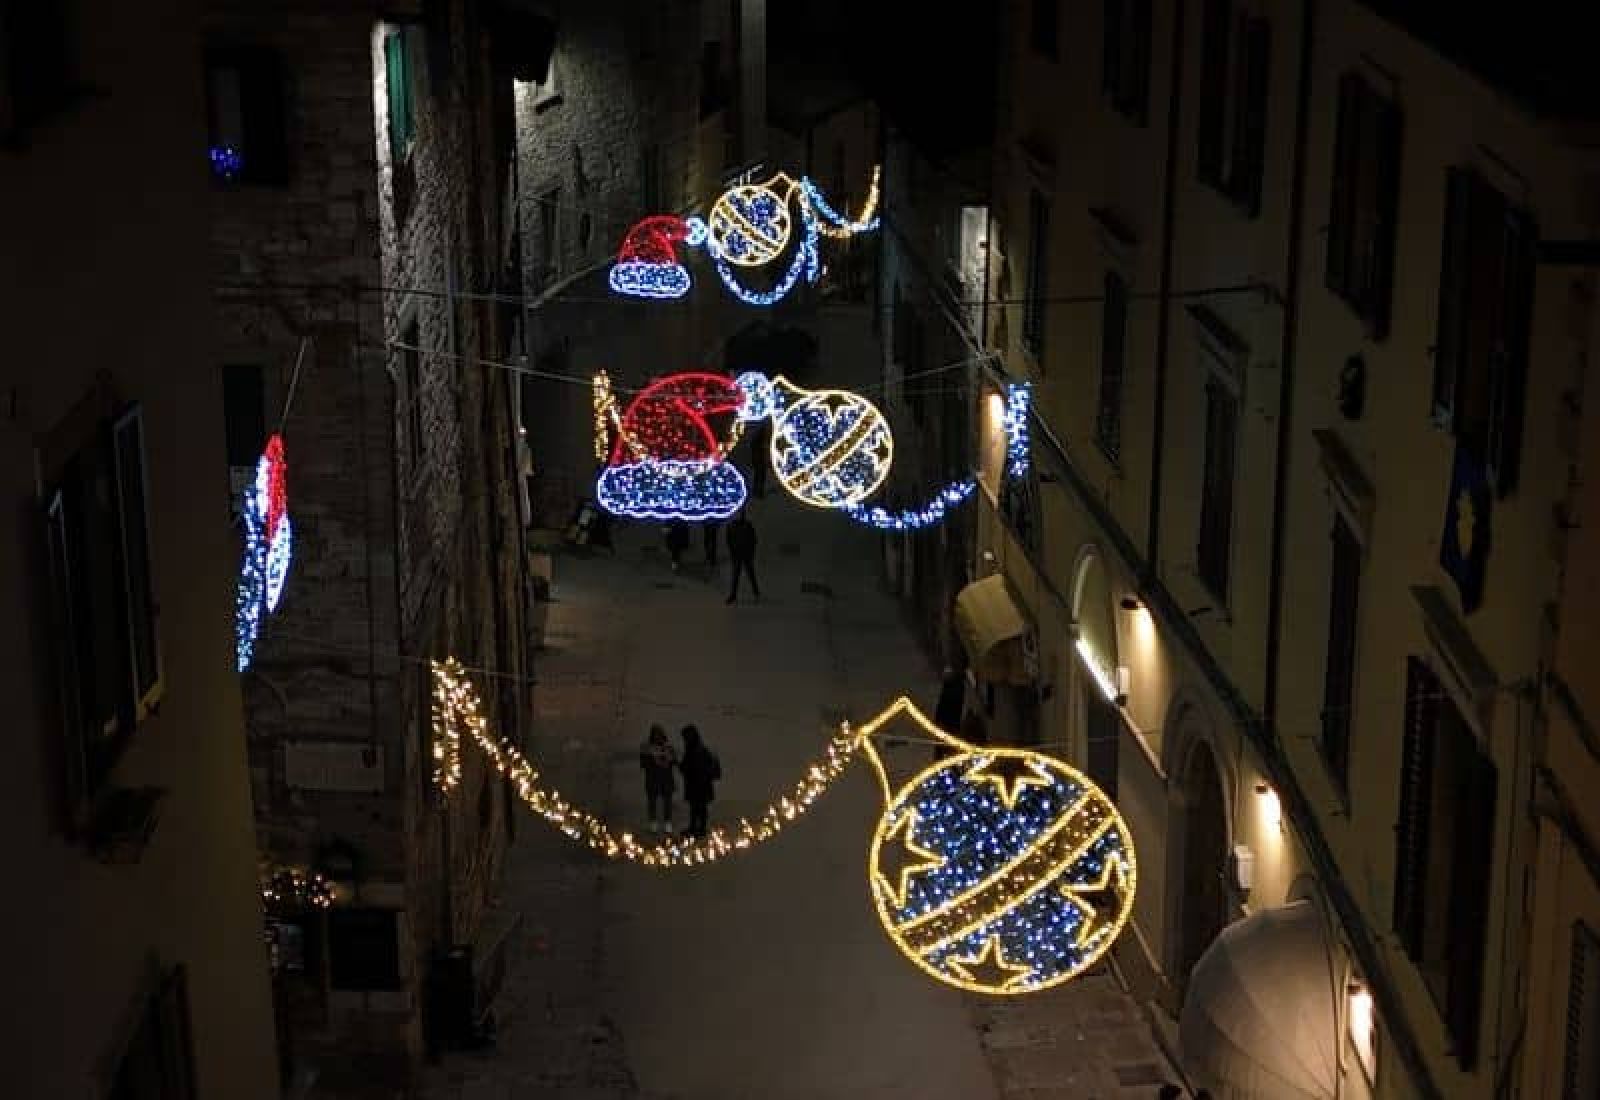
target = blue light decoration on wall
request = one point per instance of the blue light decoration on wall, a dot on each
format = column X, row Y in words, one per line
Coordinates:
column 914, row 519
column 268, row 549
column 750, row 226
column 226, row 162
column 1019, row 399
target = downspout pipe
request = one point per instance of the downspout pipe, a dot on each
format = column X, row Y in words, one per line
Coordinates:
column 1169, row 202
column 1269, row 741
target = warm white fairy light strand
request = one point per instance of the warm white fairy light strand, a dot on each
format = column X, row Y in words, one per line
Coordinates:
column 457, row 710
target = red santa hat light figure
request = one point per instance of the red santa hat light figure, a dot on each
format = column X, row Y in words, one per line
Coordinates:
column 666, row 452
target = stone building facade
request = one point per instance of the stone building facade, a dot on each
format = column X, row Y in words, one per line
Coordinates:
column 133, row 908
column 1302, row 291
column 364, row 237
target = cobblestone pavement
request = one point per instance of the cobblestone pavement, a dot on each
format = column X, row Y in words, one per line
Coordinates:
column 765, row 976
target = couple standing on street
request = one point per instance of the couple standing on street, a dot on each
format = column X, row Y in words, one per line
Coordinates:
column 700, row 767
column 741, row 549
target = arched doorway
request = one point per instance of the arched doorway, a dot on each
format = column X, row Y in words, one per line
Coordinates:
column 1203, row 901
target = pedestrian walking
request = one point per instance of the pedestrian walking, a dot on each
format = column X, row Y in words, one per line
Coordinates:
column 742, row 553
column 701, row 769
column 677, row 541
column 657, row 759
column 710, row 533
column 948, row 711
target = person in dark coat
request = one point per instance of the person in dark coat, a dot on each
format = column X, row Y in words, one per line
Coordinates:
column 677, row 541
column 701, row 769
column 947, row 712
column 742, row 551
column 657, row 759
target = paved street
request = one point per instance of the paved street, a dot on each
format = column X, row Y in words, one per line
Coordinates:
column 766, row 975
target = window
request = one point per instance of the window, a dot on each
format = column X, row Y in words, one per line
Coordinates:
column 244, row 424
column 158, row 1063
column 1485, row 308
column 411, row 360
column 107, row 650
column 1044, row 28
column 397, row 77
column 546, row 93
column 1361, row 220
column 549, row 236
column 1216, row 486
column 650, row 177
column 38, row 71
column 1113, row 338
column 1580, row 1074
column 246, row 139
column 1444, row 850
column 1338, row 678
column 1038, row 266
column 714, row 90
column 1125, row 61
column 1233, row 102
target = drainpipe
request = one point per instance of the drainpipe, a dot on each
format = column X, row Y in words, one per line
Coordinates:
column 1163, row 300
column 1363, row 942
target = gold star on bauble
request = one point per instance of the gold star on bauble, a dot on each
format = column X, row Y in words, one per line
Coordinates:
column 989, row 968
column 1106, row 891
column 1009, row 774
column 901, row 857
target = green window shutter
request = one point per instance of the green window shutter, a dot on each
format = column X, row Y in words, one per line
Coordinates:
column 397, row 72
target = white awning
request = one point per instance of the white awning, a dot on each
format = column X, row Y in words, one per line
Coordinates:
column 1260, row 1020
column 991, row 627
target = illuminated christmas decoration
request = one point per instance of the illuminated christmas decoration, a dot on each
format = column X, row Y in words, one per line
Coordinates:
column 1019, row 396
column 666, row 460
column 459, row 714
column 290, row 889
column 750, row 225
column 804, row 262
column 666, row 489
column 761, row 400
column 226, row 162
column 913, row 519
column 268, row 544
column 830, row 448
column 834, row 224
column 998, row 870
column 647, row 263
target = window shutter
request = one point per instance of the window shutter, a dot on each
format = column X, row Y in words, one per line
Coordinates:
column 398, row 80
column 1343, row 609
column 244, row 418
column 144, row 648
column 1473, row 857
column 1508, row 363
column 1386, row 205
column 67, row 624
column 1137, row 80
column 1338, row 275
column 1213, row 88
column 1113, row 333
column 1111, row 49
column 1250, row 133
column 1416, row 782
column 261, row 106
column 1449, row 347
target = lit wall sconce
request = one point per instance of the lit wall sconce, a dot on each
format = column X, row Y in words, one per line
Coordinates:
column 1132, row 603
column 1271, row 807
column 1242, row 865
column 1124, row 678
column 1362, row 1026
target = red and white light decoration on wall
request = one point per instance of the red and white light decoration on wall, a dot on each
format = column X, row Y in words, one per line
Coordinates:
column 268, row 542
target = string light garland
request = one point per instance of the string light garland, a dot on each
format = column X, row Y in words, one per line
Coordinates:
column 914, row 519
column 458, row 713
column 289, row 888
column 1019, row 453
column 834, row 224
column 268, row 549
column 998, row 870
column 666, row 489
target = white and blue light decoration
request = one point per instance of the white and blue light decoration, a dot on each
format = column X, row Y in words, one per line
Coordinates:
column 750, row 226
column 666, row 489
column 268, row 549
column 829, row 448
column 998, row 870
column 914, row 519
column 226, row 162
column 1019, row 399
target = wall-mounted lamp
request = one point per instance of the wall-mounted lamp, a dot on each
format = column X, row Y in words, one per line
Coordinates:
column 1123, row 679
column 1271, row 807
column 1131, row 603
column 1362, row 1026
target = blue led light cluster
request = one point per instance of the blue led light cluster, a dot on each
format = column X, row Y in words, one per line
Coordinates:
column 1019, row 396
column 815, row 202
column 1027, row 879
column 804, row 262
column 226, row 162
column 644, row 279
column 268, row 549
column 250, row 601
column 694, row 491
column 914, row 519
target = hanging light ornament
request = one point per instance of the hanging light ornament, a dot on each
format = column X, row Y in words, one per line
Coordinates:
column 268, row 548
column 830, row 448
column 647, row 263
column 665, row 455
